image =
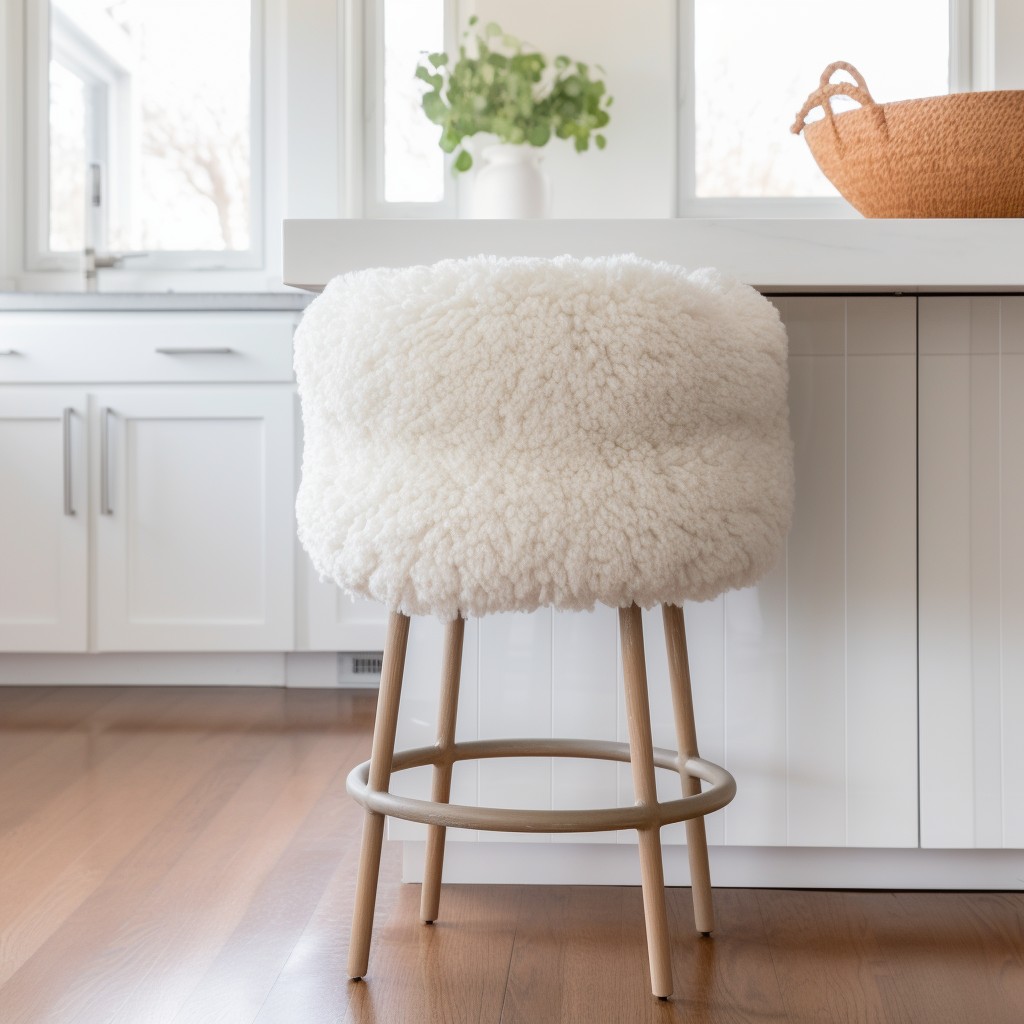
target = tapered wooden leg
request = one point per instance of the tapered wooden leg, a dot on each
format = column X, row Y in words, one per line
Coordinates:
column 686, row 738
column 381, row 756
column 638, row 712
column 451, row 673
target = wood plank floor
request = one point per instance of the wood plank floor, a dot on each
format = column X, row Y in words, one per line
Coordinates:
column 188, row 855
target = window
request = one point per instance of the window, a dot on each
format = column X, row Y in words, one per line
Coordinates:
column 405, row 172
column 746, row 68
column 151, row 125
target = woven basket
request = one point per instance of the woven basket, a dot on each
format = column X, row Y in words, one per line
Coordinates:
column 948, row 156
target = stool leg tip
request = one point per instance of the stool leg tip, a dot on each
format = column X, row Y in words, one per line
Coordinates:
column 356, row 978
column 428, row 920
column 706, row 935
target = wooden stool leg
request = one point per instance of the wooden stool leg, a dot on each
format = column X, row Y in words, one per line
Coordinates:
column 686, row 737
column 381, row 755
column 634, row 669
column 451, row 673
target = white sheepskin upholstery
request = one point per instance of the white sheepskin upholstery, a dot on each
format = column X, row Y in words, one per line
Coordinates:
column 487, row 435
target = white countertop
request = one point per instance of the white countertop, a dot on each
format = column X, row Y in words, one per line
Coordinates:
column 773, row 255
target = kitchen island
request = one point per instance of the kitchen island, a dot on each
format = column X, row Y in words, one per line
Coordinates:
column 868, row 692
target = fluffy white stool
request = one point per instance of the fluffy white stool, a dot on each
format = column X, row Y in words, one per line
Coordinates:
column 491, row 435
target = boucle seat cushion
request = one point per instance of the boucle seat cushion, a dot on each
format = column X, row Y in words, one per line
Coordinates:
column 487, row 434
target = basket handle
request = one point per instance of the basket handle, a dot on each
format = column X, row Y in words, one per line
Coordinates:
column 822, row 97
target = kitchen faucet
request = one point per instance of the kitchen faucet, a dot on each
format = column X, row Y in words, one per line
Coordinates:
column 95, row 261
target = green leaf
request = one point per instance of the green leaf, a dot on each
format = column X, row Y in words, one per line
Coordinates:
column 538, row 134
column 435, row 108
column 473, row 19
column 434, row 81
column 497, row 84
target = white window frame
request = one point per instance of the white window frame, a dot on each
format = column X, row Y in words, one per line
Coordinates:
column 368, row 196
column 107, row 79
column 37, row 254
column 969, row 20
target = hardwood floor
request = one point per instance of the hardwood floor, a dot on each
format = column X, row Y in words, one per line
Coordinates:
column 188, row 855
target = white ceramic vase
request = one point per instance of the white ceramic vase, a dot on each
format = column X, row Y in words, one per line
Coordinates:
column 510, row 183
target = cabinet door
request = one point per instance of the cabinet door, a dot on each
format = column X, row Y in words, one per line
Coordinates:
column 194, row 518
column 330, row 620
column 327, row 619
column 972, row 571
column 805, row 686
column 43, row 520
column 820, row 716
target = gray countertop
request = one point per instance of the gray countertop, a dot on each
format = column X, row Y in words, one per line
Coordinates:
column 57, row 302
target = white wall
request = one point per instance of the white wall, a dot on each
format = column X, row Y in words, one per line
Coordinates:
column 1007, row 44
column 314, row 59
column 10, row 141
column 635, row 43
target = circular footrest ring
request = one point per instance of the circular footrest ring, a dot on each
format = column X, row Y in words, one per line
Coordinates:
column 722, row 788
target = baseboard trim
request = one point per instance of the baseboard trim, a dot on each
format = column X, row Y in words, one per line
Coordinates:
column 731, row 867
column 302, row 669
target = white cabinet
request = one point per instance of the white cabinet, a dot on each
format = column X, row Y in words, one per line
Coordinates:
column 43, row 519
column 821, row 668
column 149, row 507
column 330, row 620
column 805, row 686
column 194, row 518
column 972, row 571
column 327, row 619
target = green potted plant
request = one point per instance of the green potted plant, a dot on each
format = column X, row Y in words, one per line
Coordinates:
column 502, row 87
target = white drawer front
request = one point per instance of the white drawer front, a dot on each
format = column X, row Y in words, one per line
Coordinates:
column 139, row 347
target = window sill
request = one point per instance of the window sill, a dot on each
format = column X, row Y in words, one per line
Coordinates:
column 124, row 281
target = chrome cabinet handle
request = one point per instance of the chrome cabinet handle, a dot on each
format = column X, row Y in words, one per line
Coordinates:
column 69, row 508
column 190, row 351
column 105, row 506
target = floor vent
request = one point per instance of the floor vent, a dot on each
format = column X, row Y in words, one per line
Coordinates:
column 372, row 665
column 360, row 669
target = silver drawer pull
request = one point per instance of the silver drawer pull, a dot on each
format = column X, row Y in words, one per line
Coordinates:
column 195, row 351
column 69, row 508
column 105, row 507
